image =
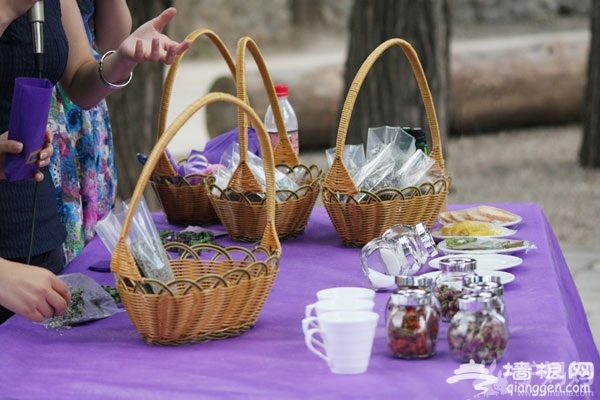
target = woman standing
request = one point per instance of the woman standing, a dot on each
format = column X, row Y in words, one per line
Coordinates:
column 31, row 291
column 83, row 166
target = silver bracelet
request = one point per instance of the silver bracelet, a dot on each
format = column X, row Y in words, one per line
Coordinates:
column 103, row 79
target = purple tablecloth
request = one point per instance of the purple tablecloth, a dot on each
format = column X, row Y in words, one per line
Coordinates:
column 107, row 359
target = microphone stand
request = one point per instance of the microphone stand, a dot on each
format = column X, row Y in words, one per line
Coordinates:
column 36, row 19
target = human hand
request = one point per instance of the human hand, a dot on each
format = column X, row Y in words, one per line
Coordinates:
column 15, row 147
column 148, row 43
column 32, row 292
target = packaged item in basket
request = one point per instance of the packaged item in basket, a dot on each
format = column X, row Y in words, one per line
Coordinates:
column 391, row 161
column 354, row 157
column 230, row 161
column 89, row 302
column 379, row 137
column 415, row 170
column 143, row 239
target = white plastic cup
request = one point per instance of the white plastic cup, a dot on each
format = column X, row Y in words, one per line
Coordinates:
column 344, row 339
column 346, row 292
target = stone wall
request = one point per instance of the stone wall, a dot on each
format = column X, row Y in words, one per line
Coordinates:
column 269, row 21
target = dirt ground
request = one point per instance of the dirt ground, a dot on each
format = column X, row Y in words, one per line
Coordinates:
column 538, row 165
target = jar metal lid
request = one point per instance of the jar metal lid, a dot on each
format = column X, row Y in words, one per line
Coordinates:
column 475, row 278
column 477, row 301
column 423, row 232
column 490, row 286
column 406, row 281
column 411, row 297
column 414, row 282
column 458, row 264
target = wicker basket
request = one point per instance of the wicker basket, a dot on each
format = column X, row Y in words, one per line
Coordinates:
column 357, row 222
column 217, row 292
column 239, row 209
column 184, row 202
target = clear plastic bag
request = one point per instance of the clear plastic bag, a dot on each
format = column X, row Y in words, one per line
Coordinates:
column 391, row 161
column 376, row 172
column 143, row 240
column 353, row 157
column 379, row 137
column 89, row 302
column 414, row 171
column 231, row 159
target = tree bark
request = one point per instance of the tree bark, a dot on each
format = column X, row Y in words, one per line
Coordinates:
column 389, row 94
column 134, row 109
column 589, row 153
column 306, row 13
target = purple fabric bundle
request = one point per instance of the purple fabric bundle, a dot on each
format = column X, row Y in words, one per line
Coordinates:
column 28, row 120
column 201, row 162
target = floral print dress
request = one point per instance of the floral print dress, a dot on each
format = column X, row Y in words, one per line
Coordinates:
column 82, row 166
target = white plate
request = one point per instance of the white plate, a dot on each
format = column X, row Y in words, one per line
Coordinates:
column 518, row 219
column 505, row 277
column 494, row 262
column 444, row 249
column 436, row 233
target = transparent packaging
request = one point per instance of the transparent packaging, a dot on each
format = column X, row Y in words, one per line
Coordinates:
column 230, row 161
column 477, row 332
column 143, row 240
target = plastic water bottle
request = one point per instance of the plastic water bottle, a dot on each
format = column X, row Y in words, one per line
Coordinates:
column 289, row 118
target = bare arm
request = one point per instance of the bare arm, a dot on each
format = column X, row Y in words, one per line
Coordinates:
column 81, row 79
column 112, row 20
column 32, row 292
column 11, row 10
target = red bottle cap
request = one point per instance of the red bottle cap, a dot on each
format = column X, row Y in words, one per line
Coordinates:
column 281, row 90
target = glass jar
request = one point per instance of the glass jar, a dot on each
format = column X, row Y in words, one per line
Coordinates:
column 412, row 324
column 490, row 286
column 413, row 282
column 449, row 283
column 477, row 331
column 419, row 236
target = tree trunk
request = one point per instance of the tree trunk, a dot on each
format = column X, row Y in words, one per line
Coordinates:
column 306, row 13
column 134, row 109
column 589, row 153
column 389, row 94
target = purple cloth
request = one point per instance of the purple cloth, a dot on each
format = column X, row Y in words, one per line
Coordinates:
column 108, row 358
column 215, row 147
column 198, row 161
column 28, row 120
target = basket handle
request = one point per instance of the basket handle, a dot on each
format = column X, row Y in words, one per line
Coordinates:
column 164, row 166
column 284, row 152
column 338, row 178
column 270, row 240
column 242, row 179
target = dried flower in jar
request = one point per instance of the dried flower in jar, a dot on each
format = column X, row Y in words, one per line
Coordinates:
column 448, row 298
column 478, row 332
column 412, row 324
